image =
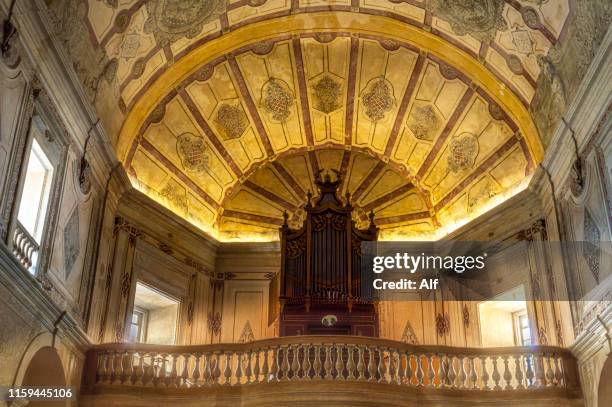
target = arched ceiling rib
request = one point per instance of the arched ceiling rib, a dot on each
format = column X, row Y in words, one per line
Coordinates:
column 230, row 108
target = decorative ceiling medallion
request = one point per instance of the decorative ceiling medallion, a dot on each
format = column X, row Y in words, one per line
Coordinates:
column 378, row 98
column 590, row 248
column 424, row 122
column 496, row 111
column 72, row 245
column 531, row 18
column 523, row 41
column 327, row 93
column 514, row 64
column 231, row 121
column 448, row 72
column 193, row 152
column 277, row 99
column 170, row 20
column 462, row 152
column 479, row 18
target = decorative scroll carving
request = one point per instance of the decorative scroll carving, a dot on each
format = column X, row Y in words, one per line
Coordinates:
column 296, row 247
column 214, row 323
column 442, row 324
column 590, row 248
column 247, row 333
column 530, row 233
column 320, row 222
column 72, row 243
column 409, row 336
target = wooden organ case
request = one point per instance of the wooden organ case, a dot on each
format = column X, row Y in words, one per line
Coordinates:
column 321, row 287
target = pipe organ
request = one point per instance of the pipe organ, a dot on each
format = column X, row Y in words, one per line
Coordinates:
column 322, row 290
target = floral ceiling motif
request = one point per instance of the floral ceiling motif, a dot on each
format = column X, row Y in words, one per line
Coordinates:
column 234, row 141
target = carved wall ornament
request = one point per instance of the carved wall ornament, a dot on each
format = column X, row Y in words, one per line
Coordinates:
column 193, row 152
column 409, row 336
column 214, row 323
column 466, row 315
column 591, row 247
column 530, row 17
column 327, row 93
column 277, row 99
column 462, row 152
column 537, row 228
column 164, row 247
column 496, row 111
column 170, row 20
column 542, row 336
column 72, row 243
column 83, row 170
column 442, row 324
column 479, row 18
column 263, row 47
column 448, row 72
column 231, row 121
column 378, row 98
column 247, row 333
column 269, row 276
column 514, row 64
column 424, row 122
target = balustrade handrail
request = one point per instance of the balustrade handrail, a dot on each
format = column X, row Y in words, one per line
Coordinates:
column 330, row 339
column 349, row 358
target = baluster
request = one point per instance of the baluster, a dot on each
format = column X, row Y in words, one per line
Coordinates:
column 173, row 379
column 350, row 364
column 401, row 370
column 285, row 364
column 360, row 363
column 558, row 372
column 496, row 376
column 371, row 365
column 217, row 369
column 441, row 370
column 473, row 375
column 185, row 373
column 128, row 372
column 161, row 382
column 518, row 372
column 196, row 370
column 265, row 370
column 431, row 374
column 408, row 369
column 248, row 371
column 227, row 372
column 530, row 372
column 420, row 374
column 117, row 367
column 389, row 368
column 327, row 365
column 485, row 374
column 101, row 373
column 295, row 365
column 147, row 376
column 550, row 375
column 381, row 364
column 306, row 365
column 256, row 369
column 317, row 363
column 238, row 368
column 339, row 363
column 462, row 373
column 539, row 366
column 277, row 363
column 452, row 372
column 206, row 368
column 507, row 374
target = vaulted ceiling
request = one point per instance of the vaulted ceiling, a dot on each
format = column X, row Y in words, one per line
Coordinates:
column 225, row 111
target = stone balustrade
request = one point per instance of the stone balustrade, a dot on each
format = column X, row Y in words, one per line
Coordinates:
column 24, row 246
column 331, row 358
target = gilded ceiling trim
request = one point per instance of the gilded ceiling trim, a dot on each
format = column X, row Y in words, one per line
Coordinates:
column 173, row 76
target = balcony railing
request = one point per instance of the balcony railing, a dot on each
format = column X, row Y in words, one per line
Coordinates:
column 24, row 246
column 305, row 358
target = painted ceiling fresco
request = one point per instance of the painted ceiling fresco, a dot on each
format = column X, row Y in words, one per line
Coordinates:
column 224, row 111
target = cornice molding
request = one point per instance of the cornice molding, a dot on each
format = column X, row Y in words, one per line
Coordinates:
column 597, row 334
